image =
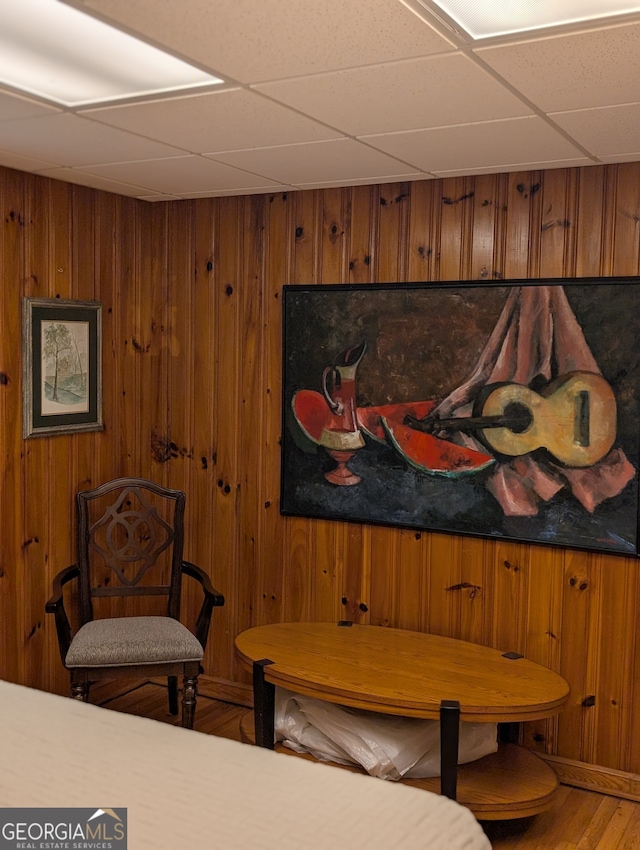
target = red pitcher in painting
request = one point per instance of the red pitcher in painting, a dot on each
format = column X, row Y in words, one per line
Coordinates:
column 341, row 437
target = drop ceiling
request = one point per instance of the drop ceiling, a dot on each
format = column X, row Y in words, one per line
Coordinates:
column 337, row 93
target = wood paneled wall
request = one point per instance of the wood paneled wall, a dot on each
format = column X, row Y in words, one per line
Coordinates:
column 192, row 380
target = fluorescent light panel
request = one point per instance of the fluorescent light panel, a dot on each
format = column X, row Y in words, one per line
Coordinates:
column 502, row 17
column 53, row 51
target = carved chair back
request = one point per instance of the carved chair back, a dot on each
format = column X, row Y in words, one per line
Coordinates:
column 130, row 543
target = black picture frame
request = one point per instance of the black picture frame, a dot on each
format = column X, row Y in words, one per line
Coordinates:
column 62, row 366
column 392, row 354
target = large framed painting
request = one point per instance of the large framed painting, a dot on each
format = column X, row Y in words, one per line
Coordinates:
column 507, row 410
column 62, row 366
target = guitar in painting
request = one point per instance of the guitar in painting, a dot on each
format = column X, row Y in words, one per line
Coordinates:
column 573, row 418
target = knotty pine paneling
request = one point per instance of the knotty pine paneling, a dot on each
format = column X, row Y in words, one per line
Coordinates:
column 192, row 383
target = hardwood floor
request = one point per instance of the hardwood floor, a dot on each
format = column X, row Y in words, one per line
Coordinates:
column 578, row 820
column 213, row 717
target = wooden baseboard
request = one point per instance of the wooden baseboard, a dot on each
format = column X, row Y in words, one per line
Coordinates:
column 592, row 777
column 103, row 692
column 222, row 689
column 225, row 690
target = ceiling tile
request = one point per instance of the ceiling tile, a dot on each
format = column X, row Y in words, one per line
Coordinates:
column 368, row 181
column 337, row 94
column 630, row 157
column 14, row 106
column 610, row 131
column 217, row 121
column 253, row 42
column 70, row 175
column 339, row 161
column 71, row 140
column 599, row 68
column 177, row 176
column 23, row 163
column 493, row 144
column 519, row 166
column 222, row 193
column 435, row 91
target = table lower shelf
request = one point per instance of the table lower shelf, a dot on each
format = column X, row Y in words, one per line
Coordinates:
column 511, row 783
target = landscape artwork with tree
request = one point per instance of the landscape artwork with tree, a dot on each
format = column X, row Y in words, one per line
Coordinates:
column 64, row 367
column 61, row 366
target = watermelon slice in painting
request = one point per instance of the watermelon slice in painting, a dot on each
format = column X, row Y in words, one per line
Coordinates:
column 430, row 454
column 313, row 414
column 384, row 424
column 370, row 418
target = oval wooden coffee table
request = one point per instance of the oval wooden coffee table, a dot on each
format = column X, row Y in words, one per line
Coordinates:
column 411, row 674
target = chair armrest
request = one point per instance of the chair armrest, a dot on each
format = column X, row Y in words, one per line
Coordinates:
column 199, row 574
column 212, row 598
column 55, row 606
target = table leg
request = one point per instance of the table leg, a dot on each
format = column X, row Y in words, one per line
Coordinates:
column 264, row 705
column 509, row 733
column 449, row 739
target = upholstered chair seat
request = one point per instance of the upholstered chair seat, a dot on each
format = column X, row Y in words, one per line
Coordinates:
column 123, row 641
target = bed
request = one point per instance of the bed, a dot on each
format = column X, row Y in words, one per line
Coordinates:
column 182, row 788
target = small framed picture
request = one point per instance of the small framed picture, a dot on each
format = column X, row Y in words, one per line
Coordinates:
column 62, row 366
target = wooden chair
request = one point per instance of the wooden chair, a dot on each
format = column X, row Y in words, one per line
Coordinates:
column 129, row 544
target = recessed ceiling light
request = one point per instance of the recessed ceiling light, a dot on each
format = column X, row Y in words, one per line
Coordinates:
column 53, row 51
column 502, row 17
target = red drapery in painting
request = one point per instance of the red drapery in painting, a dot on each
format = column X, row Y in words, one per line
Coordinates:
column 537, row 338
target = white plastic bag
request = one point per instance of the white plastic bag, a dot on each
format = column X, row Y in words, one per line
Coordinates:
column 385, row 746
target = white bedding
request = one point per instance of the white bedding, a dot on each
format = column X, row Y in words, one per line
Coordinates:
column 183, row 789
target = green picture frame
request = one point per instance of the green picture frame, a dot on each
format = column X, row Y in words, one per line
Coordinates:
column 62, row 367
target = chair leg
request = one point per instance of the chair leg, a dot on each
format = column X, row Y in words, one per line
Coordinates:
column 80, row 690
column 173, row 695
column 189, row 694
